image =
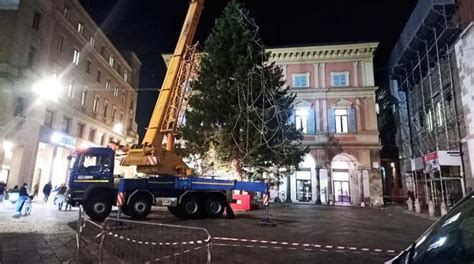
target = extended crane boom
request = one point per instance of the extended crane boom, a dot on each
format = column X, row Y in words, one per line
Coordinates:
column 150, row 157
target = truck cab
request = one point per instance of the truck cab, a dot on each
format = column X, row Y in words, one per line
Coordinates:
column 91, row 180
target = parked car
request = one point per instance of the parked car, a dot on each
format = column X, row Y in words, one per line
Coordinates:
column 449, row 240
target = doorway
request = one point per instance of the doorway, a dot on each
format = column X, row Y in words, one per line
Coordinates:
column 342, row 192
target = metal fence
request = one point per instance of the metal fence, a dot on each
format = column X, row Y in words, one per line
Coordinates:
column 127, row 241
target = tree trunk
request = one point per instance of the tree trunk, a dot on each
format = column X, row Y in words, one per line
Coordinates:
column 237, row 169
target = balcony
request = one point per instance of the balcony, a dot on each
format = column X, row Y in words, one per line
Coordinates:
column 427, row 14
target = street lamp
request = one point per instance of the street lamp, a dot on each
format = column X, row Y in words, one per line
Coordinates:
column 49, row 88
column 7, row 145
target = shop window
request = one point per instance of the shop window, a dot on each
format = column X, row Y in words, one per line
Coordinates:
column 341, row 120
column 66, row 124
column 49, row 118
column 339, row 79
column 36, row 20
column 301, row 80
column 303, row 185
column 92, row 133
column 80, row 130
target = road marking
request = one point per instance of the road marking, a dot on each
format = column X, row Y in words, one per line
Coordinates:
column 294, row 245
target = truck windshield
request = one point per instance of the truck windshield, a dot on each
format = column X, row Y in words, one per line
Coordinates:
column 90, row 162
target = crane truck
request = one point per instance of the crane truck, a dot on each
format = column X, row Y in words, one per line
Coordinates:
column 168, row 180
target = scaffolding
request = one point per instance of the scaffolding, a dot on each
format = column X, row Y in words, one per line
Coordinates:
column 422, row 64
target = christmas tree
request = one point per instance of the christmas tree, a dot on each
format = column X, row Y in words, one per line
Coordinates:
column 240, row 107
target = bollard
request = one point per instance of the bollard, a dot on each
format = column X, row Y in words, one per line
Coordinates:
column 431, row 209
column 266, row 221
column 410, row 204
column 417, row 205
column 444, row 209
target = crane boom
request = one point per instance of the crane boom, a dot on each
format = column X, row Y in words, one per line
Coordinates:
column 150, row 157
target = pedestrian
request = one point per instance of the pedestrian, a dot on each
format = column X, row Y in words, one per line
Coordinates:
column 2, row 191
column 22, row 197
column 61, row 196
column 47, row 191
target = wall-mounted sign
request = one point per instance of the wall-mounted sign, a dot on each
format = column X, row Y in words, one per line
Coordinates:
column 63, row 140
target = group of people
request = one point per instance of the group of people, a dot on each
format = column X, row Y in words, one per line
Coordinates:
column 23, row 200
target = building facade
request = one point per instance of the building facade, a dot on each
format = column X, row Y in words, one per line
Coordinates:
column 63, row 85
column 336, row 110
column 430, row 78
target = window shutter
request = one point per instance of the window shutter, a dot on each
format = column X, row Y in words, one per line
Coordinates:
column 331, row 121
column 352, row 120
column 311, row 121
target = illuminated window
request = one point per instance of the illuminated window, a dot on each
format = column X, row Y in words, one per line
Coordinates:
column 111, row 60
column 341, row 120
column 107, row 84
column 80, row 27
column 95, row 106
column 84, row 97
column 70, row 90
column 77, row 55
column 301, row 117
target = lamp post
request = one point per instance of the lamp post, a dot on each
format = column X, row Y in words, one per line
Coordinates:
column 318, row 181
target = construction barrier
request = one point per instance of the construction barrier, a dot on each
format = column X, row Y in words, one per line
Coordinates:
column 143, row 242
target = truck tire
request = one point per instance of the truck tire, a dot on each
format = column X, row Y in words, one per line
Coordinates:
column 98, row 207
column 139, row 207
column 191, row 207
column 176, row 211
column 214, row 207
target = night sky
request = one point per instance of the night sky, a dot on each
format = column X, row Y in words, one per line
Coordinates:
column 151, row 27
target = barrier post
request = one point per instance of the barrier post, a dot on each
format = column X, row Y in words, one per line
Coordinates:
column 266, row 221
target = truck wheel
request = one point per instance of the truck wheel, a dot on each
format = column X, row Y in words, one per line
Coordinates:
column 139, row 207
column 214, row 207
column 176, row 211
column 191, row 207
column 98, row 208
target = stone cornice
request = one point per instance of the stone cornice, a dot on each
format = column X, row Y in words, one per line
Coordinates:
column 323, row 53
column 334, row 92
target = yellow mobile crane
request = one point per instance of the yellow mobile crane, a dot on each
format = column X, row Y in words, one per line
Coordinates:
column 93, row 185
column 150, row 157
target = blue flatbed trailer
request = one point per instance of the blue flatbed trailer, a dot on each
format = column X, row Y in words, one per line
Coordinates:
column 95, row 187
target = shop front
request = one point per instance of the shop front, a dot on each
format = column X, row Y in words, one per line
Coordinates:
column 52, row 164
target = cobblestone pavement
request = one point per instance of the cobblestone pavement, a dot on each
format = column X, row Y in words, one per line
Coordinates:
column 304, row 234
column 42, row 237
